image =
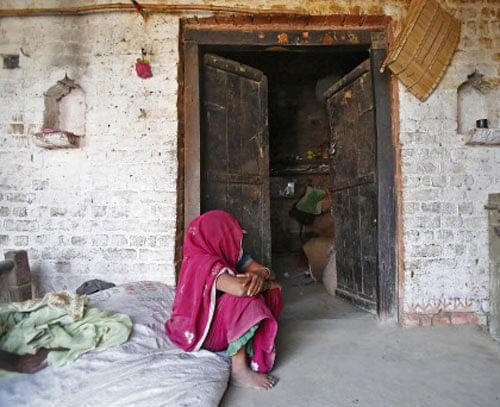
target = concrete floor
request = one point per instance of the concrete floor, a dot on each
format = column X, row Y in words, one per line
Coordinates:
column 332, row 354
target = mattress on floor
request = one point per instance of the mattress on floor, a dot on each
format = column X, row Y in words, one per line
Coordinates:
column 148, row 370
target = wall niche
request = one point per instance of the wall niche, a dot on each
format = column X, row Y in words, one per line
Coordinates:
column 478, row 99
column 64, row 116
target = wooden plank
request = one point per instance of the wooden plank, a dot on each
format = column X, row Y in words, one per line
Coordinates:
column 232, row 67
column 354, row 182
column 191, row 133
column 387, row 300
column 268, row 36
column 361, row 69
column 235, row 152
column 364, row 303
column 263, row 151
column 353, row 167
column 368, row 239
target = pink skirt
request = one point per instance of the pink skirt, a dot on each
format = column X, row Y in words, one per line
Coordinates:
column 234, row 316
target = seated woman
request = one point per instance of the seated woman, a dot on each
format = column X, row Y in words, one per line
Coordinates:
column 243, row 318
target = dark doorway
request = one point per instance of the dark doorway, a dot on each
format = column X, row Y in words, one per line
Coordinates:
column 274, row 117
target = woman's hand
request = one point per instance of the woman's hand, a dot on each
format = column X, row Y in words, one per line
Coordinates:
column 254, row 282
column 246, row 284
column 241, row 285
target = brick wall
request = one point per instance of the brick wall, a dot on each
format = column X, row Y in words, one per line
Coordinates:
column 108, row 209
column 446, row 185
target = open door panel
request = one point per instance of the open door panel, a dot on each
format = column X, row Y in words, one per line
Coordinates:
column 353, row 169
column 235, row 148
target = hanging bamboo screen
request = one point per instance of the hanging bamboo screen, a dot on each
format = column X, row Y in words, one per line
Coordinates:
column 424, row 47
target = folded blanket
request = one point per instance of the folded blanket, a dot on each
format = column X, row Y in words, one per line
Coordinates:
column 60, row 321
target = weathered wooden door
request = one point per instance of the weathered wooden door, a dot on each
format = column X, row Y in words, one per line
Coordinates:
column 235, row 149
column 353, row 169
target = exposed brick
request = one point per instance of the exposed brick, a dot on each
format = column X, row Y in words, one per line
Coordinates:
column 119, row 240
column 261, row 19
column 376, row 20
column 78, row 240
column 17, row 128
column 409, row 320
column 242, row 20
column 464, row 318
column 21, row 225
column 58, row 212
column 100, row 240
column 279, row 19
column 63, row 267
column 119, row 254
column 441, row 319
column 20, row 212
column 334, row 20
column 20, row 197
column 21, row 240
column 355, row 20
column 224, row 19
column 425, row 320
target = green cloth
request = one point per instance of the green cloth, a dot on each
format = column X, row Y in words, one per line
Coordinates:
column 245, row 339
column 311, row 201
column 60, row 320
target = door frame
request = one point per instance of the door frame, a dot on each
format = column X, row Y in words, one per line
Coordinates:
column 374, row 32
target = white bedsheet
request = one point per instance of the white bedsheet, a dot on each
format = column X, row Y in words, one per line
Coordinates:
column 148, row 370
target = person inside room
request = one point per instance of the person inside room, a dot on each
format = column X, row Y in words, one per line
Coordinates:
column 226, row 301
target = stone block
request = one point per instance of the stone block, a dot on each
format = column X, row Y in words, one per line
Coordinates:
column 20, row 274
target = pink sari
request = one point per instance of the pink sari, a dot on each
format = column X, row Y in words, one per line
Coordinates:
column 200, row 319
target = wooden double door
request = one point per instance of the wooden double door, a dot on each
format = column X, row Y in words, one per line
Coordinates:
column 235, row 165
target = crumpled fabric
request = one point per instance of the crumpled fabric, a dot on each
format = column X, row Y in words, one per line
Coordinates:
column 60, row 320
column 93, row 286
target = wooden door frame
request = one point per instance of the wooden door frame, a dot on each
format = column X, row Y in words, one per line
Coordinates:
column 277, row 31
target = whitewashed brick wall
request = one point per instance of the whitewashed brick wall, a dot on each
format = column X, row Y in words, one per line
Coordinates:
column 446, row 183
column 107, row 210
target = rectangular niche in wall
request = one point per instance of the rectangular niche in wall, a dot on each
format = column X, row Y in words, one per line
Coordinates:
column 478, row 99
column 64, row 116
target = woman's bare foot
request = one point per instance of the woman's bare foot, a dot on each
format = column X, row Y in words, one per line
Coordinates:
column 243, row 376
column 254, row 380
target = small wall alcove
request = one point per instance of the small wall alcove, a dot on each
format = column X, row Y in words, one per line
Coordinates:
column 478, row 99
column 64, row 116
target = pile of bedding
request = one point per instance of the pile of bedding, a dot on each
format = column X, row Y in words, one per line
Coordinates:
column 146, row 370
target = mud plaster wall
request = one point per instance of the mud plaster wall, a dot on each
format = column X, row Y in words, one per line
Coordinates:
column 107, row 209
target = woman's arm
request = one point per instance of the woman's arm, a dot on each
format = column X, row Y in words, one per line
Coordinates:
column 234, row 285
column 254, row 279
column 254, row 267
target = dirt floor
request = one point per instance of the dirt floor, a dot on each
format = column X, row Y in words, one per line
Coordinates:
column 333, row 354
